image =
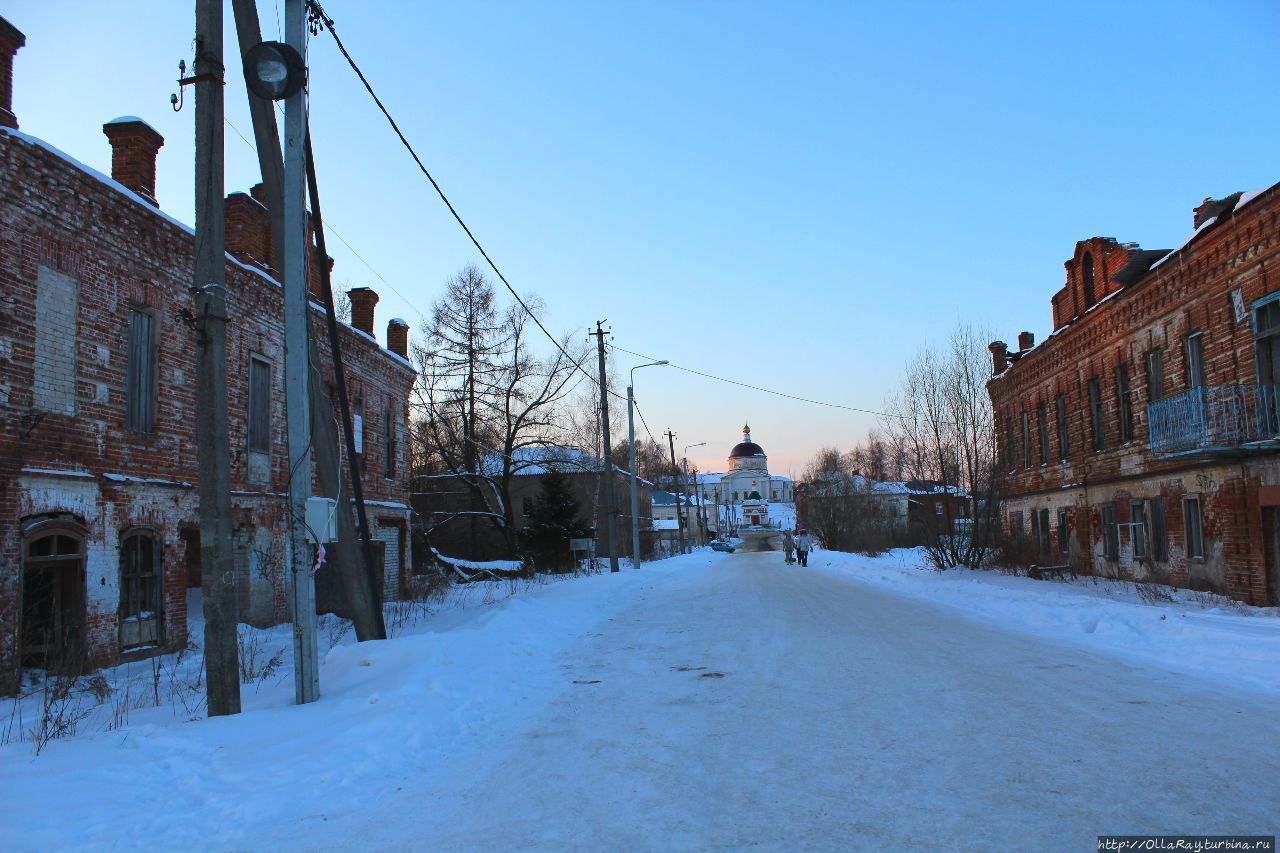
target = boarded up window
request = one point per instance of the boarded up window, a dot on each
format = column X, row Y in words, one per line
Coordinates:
column 389, row 444
column 140, row 381
column 55, row 356
column 1095, row 413
column 1124, row 403
column 259, row 405
column 1110, row 533
column 1064, row 443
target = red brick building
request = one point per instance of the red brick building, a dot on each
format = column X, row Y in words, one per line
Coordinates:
column 99, row 537
column 1142, row 438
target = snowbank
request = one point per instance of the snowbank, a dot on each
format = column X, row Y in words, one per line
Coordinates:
column 1195, row 633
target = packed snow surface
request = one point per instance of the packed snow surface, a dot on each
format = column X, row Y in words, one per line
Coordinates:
column 714, row 701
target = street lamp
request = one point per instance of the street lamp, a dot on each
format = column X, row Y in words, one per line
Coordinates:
column 684, row 455
column 274, row 70
column 635, row 486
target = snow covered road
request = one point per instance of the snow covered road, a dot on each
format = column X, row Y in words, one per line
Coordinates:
column 711, row 701
column 748, row 705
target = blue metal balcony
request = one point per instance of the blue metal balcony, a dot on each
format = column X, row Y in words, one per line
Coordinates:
column 1216, row 419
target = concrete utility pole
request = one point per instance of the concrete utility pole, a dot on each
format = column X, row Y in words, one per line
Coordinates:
column 355, row 573
column 671, row 442
column 606, row 470
column 219, row 596
column 297, row 370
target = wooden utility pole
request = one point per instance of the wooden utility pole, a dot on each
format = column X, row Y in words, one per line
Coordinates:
column 297, row 369
column 222, row 670
column 349, row 561
column 671, row 442
column 606, row 470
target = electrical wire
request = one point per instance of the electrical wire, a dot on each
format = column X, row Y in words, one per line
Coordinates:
column 319, row 15
column 330, row 229
column 759, row 388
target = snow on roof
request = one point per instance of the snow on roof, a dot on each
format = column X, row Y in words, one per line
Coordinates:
column 156, row 211
column 666, row 524
column 128, row 120
column 1249, row 196
column 398, row 321
column 543, row 458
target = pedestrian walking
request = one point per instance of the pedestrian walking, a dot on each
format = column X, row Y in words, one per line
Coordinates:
column 804, row 544
column 789, row 547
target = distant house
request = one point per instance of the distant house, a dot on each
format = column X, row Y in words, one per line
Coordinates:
column 669, row 506
column 442, row 499
column 912, row 511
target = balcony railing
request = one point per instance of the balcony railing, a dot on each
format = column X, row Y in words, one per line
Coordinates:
column 1215, row 418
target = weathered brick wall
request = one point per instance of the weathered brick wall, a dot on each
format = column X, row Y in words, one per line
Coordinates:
column 1189, row 291
column 60, row 223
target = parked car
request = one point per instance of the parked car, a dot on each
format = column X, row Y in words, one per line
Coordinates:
column 721, row 545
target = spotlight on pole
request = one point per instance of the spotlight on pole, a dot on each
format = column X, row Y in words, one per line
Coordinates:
column 274, row 70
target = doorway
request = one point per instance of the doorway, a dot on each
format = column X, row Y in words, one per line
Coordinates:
column 53, row 605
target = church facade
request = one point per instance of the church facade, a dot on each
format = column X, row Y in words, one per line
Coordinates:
column 747, row 482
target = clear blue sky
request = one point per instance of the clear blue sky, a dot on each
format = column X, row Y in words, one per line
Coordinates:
column 797, row 195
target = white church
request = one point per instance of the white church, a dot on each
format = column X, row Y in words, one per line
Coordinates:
column 748, row 483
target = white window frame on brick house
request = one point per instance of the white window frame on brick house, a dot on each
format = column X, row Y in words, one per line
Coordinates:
column 258, row 414
column 1193, row 527
column 1193, row 350
column 1155, row 375
column 142, row 383
column 1110, row 533
column 141, row 588
column 1138, row 532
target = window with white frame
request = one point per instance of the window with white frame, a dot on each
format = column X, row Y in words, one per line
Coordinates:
column 1193, row 527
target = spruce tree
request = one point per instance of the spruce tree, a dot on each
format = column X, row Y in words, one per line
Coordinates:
column 551, row 522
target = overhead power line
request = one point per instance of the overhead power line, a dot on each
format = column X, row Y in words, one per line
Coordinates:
column 318, row 14
column 728, row 381
column 329, row 228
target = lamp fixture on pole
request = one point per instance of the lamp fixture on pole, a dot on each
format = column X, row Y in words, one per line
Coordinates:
column 684, row 455
column 635, row 487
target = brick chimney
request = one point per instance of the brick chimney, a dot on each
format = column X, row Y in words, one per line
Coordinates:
column 248, row 233
column 398, row 337
column 999, row 357
column 1026, row 341
column 134, row 145
column 10, row 40
column 362, row 301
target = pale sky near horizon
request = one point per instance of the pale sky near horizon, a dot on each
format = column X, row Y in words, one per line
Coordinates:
column 797, row 195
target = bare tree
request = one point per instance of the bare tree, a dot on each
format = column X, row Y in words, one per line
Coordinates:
column 842, row 508
column 458, row 363
column 524, row 399
column 942, row 429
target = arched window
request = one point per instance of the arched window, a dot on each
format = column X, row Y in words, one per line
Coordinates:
column 140, row 589
column 52, row 597
column 1086, row 271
